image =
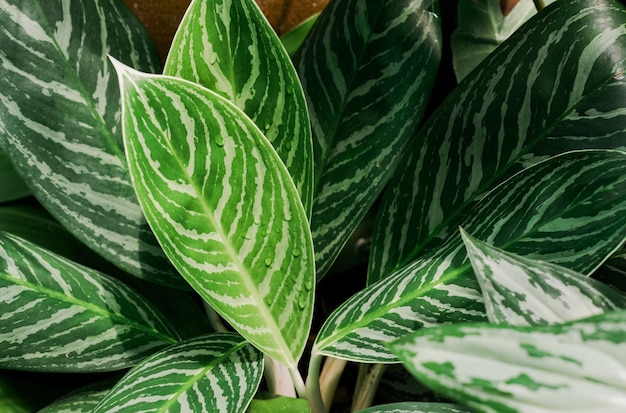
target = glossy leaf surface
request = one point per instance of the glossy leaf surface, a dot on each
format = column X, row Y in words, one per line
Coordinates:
column 224, row 208
column 59, row 316
column 229, row 47
column 577, row 367
column 538, row 95
column 367, row 68
column 415, row 407
column 569, row 210
column 522, row 291
column 213, row 373
column 59, row 121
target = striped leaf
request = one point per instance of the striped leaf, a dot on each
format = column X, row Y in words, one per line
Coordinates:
column 481, row 27
column 539, row 94
column 229, row 47
column 59, row 316
column 367, row 68
column 414, row 407
column 522, row 291
column 11, row 185
column 213, row 373
column 577, row 367
column 224, row 208
column 569, row 210
column 83, row 400
column 59, row 121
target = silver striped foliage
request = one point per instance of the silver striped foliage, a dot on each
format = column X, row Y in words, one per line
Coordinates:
column 12, row 187
column 82, row 400
column 59, row 316
column 416, row 407
column 482, row 27
column 367, row 68
column 212, row 373
column 577, row 367
column 229, row 47
column 539, row 94
column 522, row 291
column 59, row 121
column 569, row 210
column 224, row 208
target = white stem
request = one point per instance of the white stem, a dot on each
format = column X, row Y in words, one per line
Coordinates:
column 278, row 378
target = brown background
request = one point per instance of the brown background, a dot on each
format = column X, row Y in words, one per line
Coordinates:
column 161, row 17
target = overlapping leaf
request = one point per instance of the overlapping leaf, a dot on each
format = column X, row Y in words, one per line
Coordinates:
column 481, row 27
column 229, row 47
column 59, row 121
column 414, row 407
column 223, row 206
column 59, row 316
column 569, row 210
column 11, row 185
column 213, row 373
column 522, row 291
column 577, row 367
column 83, row 400
column 555, row 85
column 367, row 68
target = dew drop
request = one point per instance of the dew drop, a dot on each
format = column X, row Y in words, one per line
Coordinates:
column 302, row 299
column 289, row 90
column 212, row 59
column 219, row 141
column 295, row 253
column 308, row 284
column 268, row 262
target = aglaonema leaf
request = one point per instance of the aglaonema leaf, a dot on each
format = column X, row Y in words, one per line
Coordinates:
column 224, row 208
column 522, row 291
column 59, row 122
column 555, row 85
column 229, row 47
column 212, row 373
column 367, row 68
column 481, row 27
column 576, row 367
column 60, row 316
column 82, row 400
column 415, row 407
column 568, row 210
column 12, row 187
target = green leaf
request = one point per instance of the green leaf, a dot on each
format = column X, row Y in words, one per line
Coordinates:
column 292, row 40
column 224, row 208
column 11, row 185
column 539, row 94
column 481, row 27
column 213, row 373
column 569, row 210
column 522, row 291
column 367, row 68
column 268, row 403
column 577, row 367
column 59, row 122
column 229, row 47
column 414, row 407
column 83, row 400
column 59, row 316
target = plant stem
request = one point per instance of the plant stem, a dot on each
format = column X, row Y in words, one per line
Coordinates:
column 329, row 379
column 279, row 378
column 313, row 393
column 539, row 4
column 369, row 377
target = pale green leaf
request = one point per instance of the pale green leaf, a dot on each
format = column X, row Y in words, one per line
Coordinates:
column 229, row 47
column 415, row 407
column 569, row 210
column 60, row 316
column 60, row 121
column 224, row 208
column 83, row 400
column 292, row 40
column 578, row 367
column 268, row 403
column 212, row 373
column 522, row 291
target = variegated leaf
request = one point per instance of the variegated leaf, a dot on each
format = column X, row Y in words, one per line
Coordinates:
column 59, row 121
column 229, row 47
column 481, row 26
column 367, row 68
column 522, row 291
column 59, row 316
column 569, row 210
column 577, row 367
column 83, row 400
column 12, row 187
column 224, row 208
column 539, row 94
column 415, row 407
column 213, row 373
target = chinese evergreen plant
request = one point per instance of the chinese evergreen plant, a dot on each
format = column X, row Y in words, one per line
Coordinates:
column 186, row 220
